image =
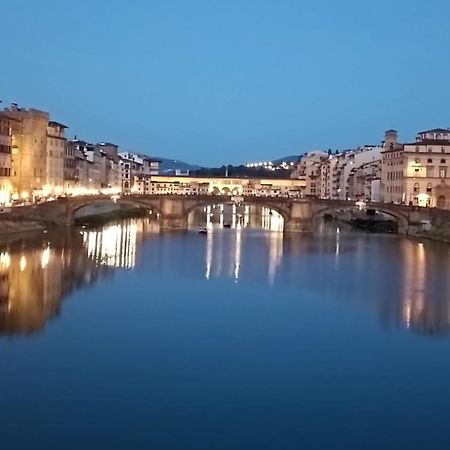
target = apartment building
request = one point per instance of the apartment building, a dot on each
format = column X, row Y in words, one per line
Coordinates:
column 5, row 159
column 417, row 173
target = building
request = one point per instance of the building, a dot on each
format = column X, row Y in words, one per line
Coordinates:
column 364, row 182
column 5, row 159
column 346, row 176
column 183, row 185
column 309, row 169
column 29, row 151
column 417, row 173
column 133, row 167
column 70, row 183
column 56, row 157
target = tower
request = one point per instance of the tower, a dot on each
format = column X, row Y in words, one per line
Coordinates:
column 390, row 139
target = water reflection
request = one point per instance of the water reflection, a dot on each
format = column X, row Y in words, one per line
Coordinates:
column 234, row 216
column 404, row 282
column 225, row 249
column 36, row 276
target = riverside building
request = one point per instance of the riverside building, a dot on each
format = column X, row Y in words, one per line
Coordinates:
column 417, row 173
column 5, row 159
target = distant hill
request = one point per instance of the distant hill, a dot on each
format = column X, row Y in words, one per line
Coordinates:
column 290, row 158
column 170, row 165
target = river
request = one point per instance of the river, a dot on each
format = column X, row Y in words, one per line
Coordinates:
column 243, row 338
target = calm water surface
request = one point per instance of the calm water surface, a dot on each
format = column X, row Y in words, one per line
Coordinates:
column 125, row 338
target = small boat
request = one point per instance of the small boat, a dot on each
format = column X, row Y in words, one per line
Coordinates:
column 203, row 231
column 227, row 225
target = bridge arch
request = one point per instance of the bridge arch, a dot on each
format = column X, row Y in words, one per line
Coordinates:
column 265, row 203
column 400, row 218
column 75, row 206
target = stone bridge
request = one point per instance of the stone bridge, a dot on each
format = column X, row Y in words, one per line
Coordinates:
column 299, row 214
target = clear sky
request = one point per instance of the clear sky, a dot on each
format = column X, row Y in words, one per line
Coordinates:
column 230, row 81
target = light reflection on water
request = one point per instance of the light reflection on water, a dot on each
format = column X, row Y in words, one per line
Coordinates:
column 404, row 280
column 144, row 337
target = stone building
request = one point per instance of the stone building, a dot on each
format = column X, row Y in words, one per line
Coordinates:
column 5, row 159
column 308, row 169
column 417, row 173
column 56, row 157
column 184, row 185
column 29, row 151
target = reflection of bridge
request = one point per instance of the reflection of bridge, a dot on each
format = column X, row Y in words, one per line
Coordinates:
column 173, row 210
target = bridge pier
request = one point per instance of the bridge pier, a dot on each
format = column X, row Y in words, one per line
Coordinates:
column 300, row 217
column 173, row 223
column 298, row 225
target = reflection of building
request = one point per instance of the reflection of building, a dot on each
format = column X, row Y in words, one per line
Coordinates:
column 34, row 281
column 224, row 252
column 115, row 245
column 425, row 306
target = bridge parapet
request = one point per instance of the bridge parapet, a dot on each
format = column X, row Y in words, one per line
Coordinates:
column 173, row 210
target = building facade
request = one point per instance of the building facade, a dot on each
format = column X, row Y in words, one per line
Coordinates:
column 5, row 159
column 29, row 151
column 56, row 156
column 183, row 185
column 418, row 173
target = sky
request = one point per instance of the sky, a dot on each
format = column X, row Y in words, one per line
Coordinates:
column 217, row 82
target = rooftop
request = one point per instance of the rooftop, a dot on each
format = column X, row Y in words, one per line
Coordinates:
column 430, row 142
column 52, row 123
column 435, row 130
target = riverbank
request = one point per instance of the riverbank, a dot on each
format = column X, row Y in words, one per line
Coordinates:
column 439, row 232
column 8, row 227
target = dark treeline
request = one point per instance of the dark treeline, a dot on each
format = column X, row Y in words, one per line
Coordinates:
column 242, row 172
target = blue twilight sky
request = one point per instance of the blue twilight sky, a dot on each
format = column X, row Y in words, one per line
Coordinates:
column 230, row 81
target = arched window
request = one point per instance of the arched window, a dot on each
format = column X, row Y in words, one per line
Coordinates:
column 416, row 187
column 429, row 161
column 429, row 188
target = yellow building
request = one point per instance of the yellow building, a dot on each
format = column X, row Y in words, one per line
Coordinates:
column 5, row 159
column 186, row 185
column 418, row 173
column 29, row 150
column 56, row 150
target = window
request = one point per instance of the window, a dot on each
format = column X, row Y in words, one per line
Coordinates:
column 442, row 172
column 416, row 187
column 430, row 172
column 429, row 161
column 429, row 188
column 442, row 161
